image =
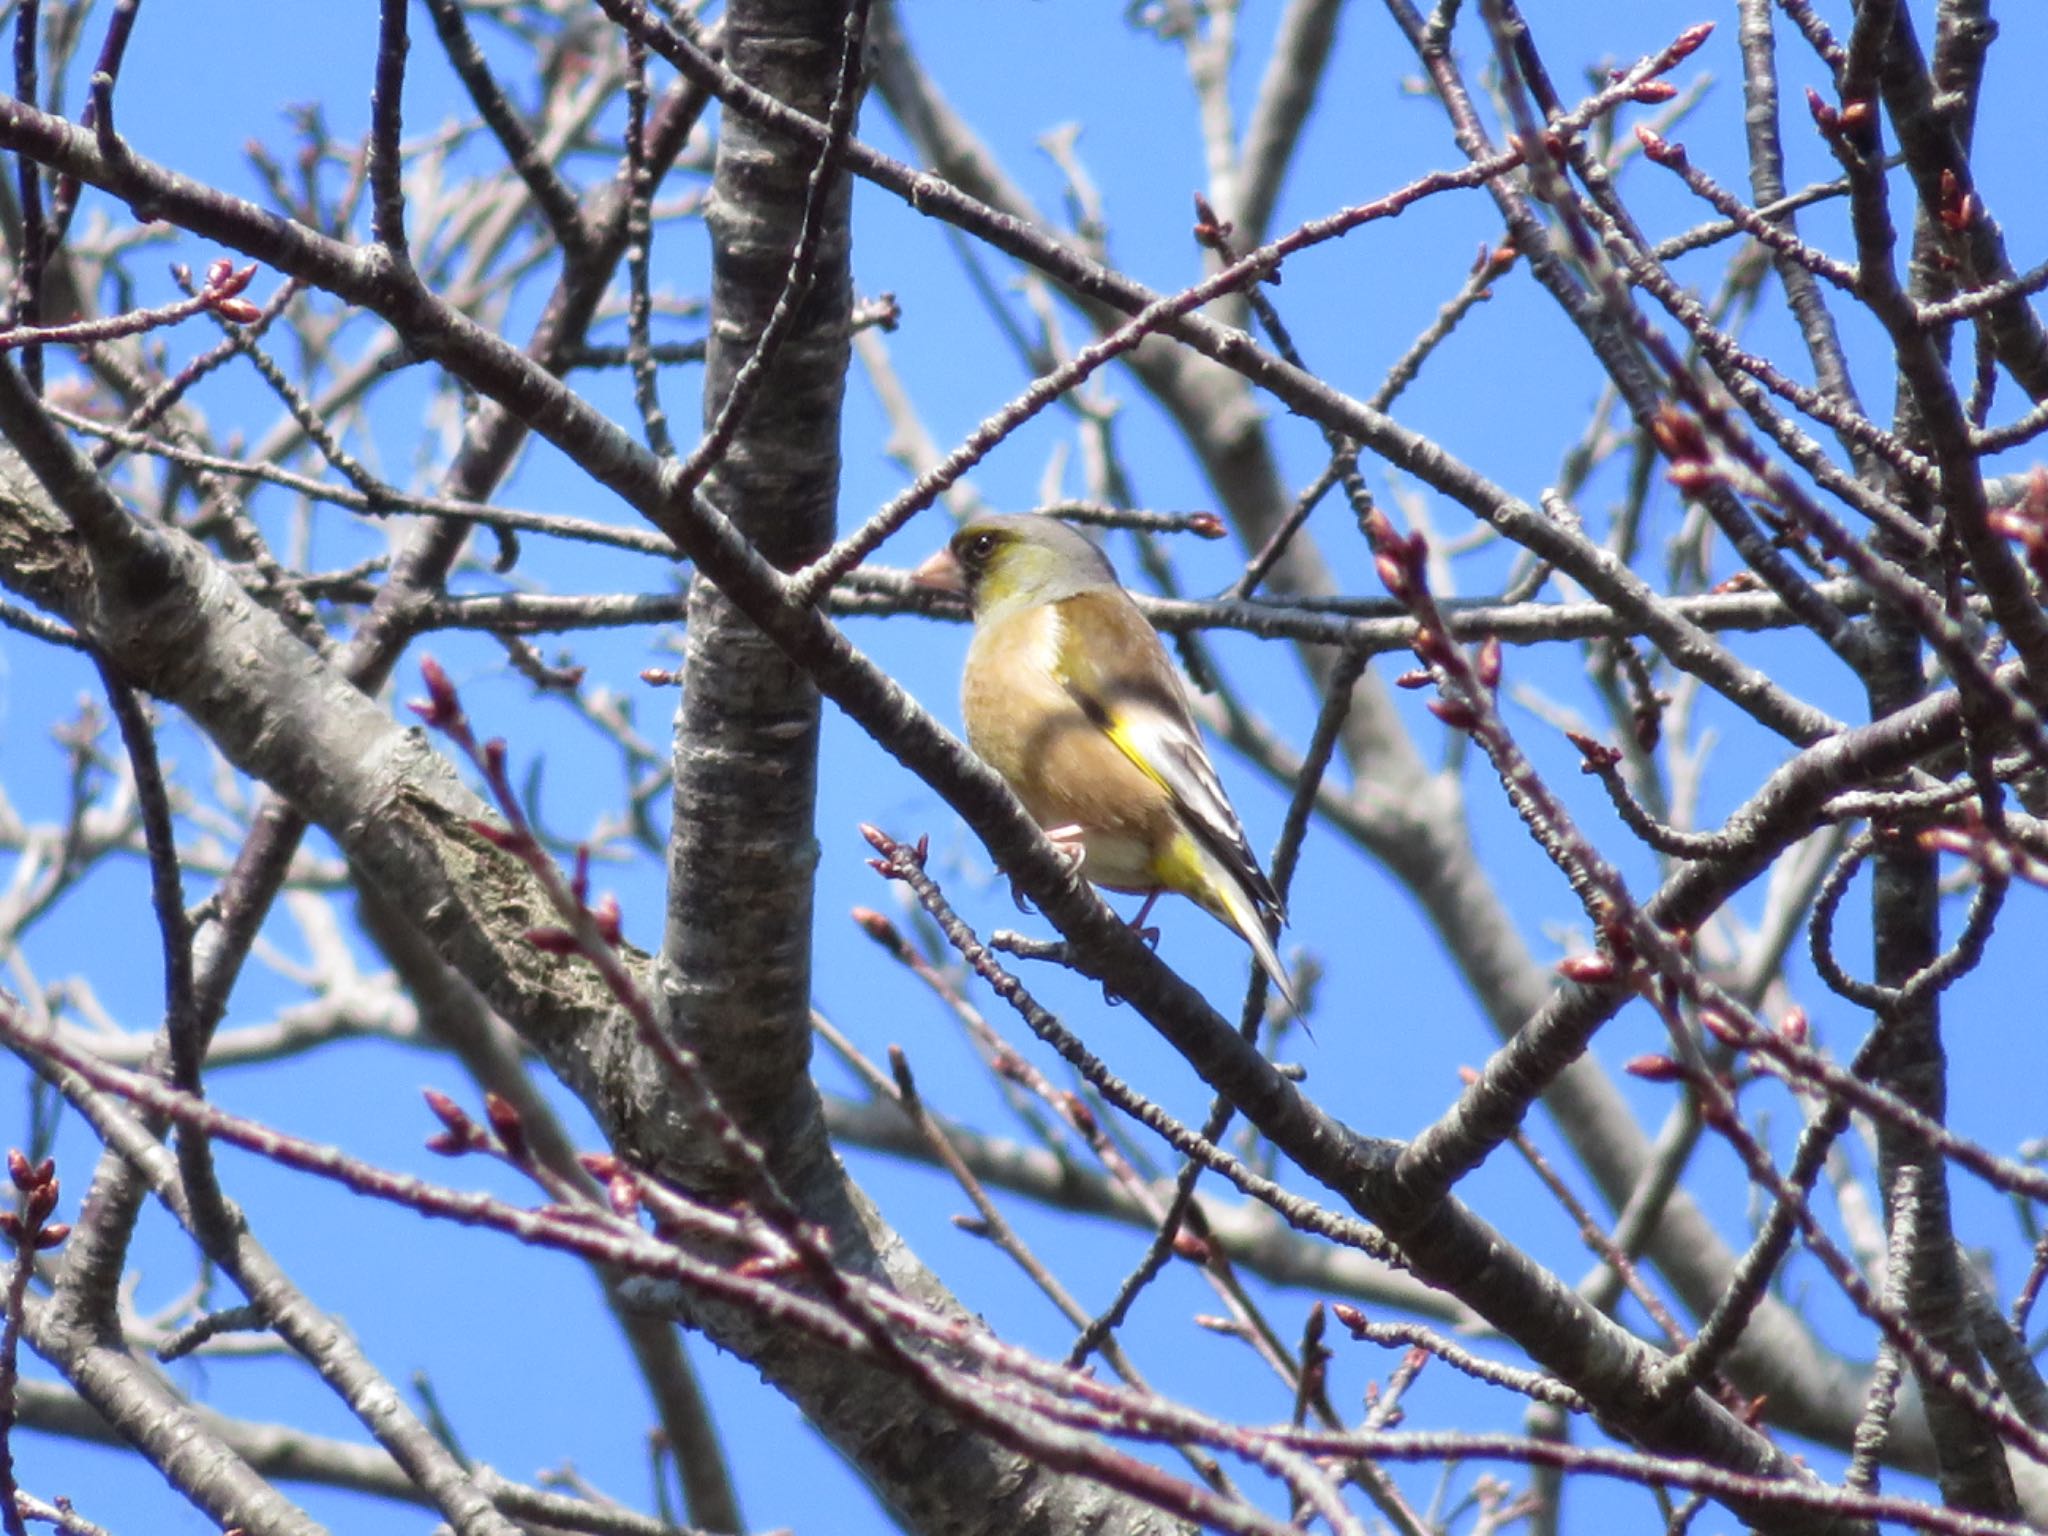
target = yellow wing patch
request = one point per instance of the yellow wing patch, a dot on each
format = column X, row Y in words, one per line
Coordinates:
column 1119, row 732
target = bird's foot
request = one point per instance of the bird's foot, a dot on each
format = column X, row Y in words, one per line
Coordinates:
column 1149, row 937
column 1069, row 842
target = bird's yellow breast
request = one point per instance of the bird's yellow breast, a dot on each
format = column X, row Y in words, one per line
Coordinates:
column 1024, row 721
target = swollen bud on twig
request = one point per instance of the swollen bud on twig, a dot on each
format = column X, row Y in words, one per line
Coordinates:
column 1392, row 576
column 1825, row 117
column 448, row 1112
column 1959, row 208
column 505, row 1121
column 879, row 928
column 224, row 284
column 1079, row 1115
column 1211, row 233
column 442, row 707
column 606, row 918
column 622, row 1195
column 1654, row 1069
column 1429, row 643
column 1488, row 663
column 1454, row 713
column 1692, row 478
column 1717, row 1112
column 1678, row 435
column 41, row 1201
column 1722, row 1028
column 1598, row 755
column 1594, row 969
column 1351, row 1317
column 1688, row 43
column 1661, row 150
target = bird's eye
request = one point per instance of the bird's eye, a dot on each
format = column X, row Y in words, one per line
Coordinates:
column 980, row 547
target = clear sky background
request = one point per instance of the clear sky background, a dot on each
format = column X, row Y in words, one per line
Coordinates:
column 552, row 1386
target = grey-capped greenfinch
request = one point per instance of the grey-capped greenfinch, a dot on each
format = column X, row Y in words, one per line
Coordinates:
column 1069, row 695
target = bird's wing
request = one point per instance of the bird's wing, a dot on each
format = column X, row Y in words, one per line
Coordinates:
column 1121, row 677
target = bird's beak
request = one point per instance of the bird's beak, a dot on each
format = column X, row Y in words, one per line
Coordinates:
column 941, row 573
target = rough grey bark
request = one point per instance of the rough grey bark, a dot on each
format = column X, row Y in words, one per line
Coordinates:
column 736, row 971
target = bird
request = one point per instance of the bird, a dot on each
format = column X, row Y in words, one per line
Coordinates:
column 1070, row 696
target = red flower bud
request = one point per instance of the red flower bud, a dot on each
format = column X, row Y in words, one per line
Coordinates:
column 1654, row 1069
column 606, row 916
column 1660, row 149
column 879, row 928
column 1597, row 754
column 1721, row 1027
column 1079, row 1115
column 442, row 708
column 505, row 1121
column 1679, row 436
column 448, row 1112
column 1488, row 663
column 1453, row 712
column 1595, row 969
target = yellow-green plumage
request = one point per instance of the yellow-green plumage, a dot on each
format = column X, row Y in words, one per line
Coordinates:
column 1069, row 695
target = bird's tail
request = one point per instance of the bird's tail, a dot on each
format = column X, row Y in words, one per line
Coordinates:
column 1224, row 896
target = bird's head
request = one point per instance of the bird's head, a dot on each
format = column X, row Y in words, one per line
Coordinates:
column 1004, row 563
